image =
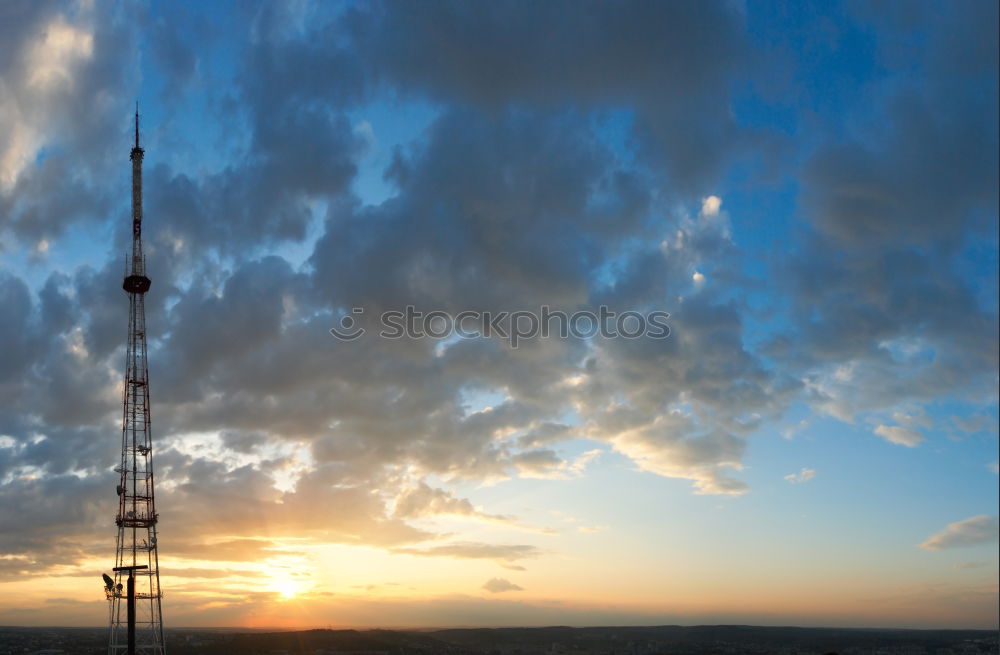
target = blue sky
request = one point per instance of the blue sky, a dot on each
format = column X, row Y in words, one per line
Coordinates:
column 810, row 190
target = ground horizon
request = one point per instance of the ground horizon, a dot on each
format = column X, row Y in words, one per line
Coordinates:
column 526, row 627
column 693, row 640
column 585, row 312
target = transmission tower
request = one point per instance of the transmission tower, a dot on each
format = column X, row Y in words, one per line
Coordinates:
column 136, row 621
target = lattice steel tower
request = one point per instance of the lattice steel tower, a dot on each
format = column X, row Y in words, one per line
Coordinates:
column 136, row 560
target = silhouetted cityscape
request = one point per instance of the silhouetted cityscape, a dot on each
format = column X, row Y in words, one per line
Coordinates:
column 665, row 640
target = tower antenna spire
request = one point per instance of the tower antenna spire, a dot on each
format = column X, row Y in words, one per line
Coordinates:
column 136, row 620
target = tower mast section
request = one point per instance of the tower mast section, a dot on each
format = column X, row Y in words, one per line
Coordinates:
column 136, row 619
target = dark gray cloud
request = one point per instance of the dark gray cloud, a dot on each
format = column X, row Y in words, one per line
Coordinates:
column 52, row 522
column 298, row 155
column 925, row 183
column 491, row 213
column 921, row 170
column 885, row 309
column 669, row 65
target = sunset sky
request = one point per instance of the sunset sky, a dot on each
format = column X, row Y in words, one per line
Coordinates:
column 809, row 189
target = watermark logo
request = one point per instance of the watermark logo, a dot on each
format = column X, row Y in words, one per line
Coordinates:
column 512, row 327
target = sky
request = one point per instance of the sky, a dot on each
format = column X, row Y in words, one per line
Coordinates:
column 808, row 189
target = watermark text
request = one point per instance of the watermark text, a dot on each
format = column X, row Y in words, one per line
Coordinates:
column 514, row 327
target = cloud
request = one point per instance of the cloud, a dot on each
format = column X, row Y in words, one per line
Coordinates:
column 241, row 343
column 890, row 207
column 974, row 424
column 541, row 463
column 924, row 178
column 546, row 433
column 502, row 553
column 871, row 352
column 710, row 206
column 546, row 464
column 557, row 55
column 972, row 565
column 591, row 529
column 422, row 500
column 670, row 446
column 899, row 435
column 973, row 531
column 805, row 475
column 51, row 58
column 57, row 57
column 792, row 430
column 499, row 585
column 229, row 550
column 541, row 175
column 912, row 421
column 209, row 573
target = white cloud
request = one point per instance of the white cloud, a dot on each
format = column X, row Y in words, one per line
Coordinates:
column 710, row 206
column 667, row 447
column 790, row 432
column 805, row 475
column 973, row 531
column 899, row 435
column 580, row 463
column 49, row 62
column 52, row 57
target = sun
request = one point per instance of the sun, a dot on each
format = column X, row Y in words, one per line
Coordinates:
column 287, row 588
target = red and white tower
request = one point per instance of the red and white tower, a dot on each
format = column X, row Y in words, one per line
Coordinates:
column 136, row 622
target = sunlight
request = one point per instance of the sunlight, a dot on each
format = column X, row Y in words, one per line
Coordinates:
column 287, row 588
